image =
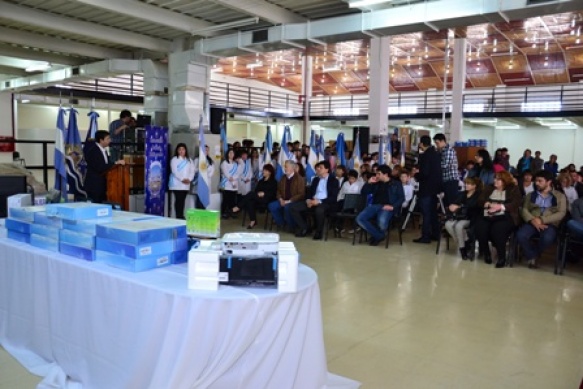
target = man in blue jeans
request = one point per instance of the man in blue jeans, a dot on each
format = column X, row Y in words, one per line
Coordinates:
column 542, row 211
column 386, row 198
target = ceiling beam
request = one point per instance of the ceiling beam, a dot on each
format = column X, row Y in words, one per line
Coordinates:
column 95, row 31
column 266, row 11
column 39, row 55
column 152, row 13
column 13, row 71
column 46, row 42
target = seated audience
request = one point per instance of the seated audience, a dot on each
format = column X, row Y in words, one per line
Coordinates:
column 551, row 165
column 575, row 224
column 264, row 193
column 322, row 199
column 341, row 175
column 500, row 204
column 464, row 211
column 408, row 188
column 350, row 186
column 525, row 183
column 565, row 185
column 387, row 197
column 542, row 210
column 291, row 188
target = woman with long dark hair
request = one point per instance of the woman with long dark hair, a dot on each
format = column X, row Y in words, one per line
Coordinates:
column 264, row 193
column 229, row 183
column 181, row 174
column 484, row 168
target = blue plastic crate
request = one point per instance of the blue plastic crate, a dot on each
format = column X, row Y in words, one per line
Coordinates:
column 134, row 251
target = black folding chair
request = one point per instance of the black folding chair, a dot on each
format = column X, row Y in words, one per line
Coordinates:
column 353, row 205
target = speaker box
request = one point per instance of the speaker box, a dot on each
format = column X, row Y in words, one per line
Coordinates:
column 217, row 116
column 364, row 138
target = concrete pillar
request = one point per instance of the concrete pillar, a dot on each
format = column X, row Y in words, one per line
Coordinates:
column 378, row 103
column 156, row 84
column 307, row 70
column 457, row 92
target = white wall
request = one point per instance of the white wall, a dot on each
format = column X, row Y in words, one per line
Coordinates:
column 5, row 114
column 565, row 143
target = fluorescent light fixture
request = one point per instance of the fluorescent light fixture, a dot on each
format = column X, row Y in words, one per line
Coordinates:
column 541, row 106
column 507, row 127
column 38, row 67
column 403, row 109
column 346, row 112
column 364, row 3
column 254, row 65
column 280, row 110
column 217, row 69
column 255, row 121
column 474, row 107
column 331, row 69
column 557, row 123
column 25, row 101
column 484, row 120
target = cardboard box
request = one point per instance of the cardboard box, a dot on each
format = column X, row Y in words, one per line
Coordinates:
column 19, row 200
column 25, row 213
column 78, row 239
column 203, row 223
column 17, row 225
column 178, row 226
column 78, row 211
column 133, row 264
column 48, row 231
column 134, row 251
column 135, row 232
column 77, row 252
column 47, row 220
column 44, row 242
column 18, row 236
column 179, row 257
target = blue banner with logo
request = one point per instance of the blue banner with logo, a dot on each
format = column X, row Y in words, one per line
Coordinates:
column 155, row 166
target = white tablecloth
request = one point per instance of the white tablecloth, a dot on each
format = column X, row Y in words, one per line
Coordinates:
column 86, row 324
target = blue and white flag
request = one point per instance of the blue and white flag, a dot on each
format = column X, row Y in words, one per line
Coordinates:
column 381, row 150
column 76, row 165
column 60, row 166
column 224, row 143
column 340, row 150
column 312, row 159
column 355, row 161
column 403, row 152
column 203, row 182
column 388, row 151
column 284, row 153
column 265, row 157
column 321, row 147
column 93, row 125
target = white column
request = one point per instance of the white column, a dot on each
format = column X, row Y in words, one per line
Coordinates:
column 156, row 84
column 457, row 92
column 307, row 94
column 6, row 115
column 378, row 98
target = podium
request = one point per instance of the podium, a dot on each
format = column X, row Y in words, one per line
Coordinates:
column 123, row 180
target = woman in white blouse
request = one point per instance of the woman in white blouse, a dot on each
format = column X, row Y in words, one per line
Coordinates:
column 181, row 174
column 229, row 183
column 566, row 186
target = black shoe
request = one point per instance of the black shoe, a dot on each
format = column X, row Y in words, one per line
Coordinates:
column 317, row 236
column 374, row 242
column 422, row 240
column 500, row 264
column 463, row 253
column 470, row 250
column 488, row 257
column 302, row 233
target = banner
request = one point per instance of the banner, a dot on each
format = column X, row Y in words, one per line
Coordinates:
column 155, row 166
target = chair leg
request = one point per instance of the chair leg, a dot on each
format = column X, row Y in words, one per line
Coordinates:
column 438, row 246
column 266, row 220
column 354, row 232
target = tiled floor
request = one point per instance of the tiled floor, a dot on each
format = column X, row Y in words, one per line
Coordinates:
column 407, row 318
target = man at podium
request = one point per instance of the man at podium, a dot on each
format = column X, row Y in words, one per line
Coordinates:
column 98, row 164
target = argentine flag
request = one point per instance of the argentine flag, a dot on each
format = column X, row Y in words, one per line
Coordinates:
column 340, row 154
column 355, row 161
column 284, row 153
column 388, row 152
column 60, row 166
column 312, row 159
column 321, row 147
column 224, row 142
column 93, row 125
column 265, row 157
column 202, row 180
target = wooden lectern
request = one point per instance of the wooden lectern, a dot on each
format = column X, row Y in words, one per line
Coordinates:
column 125, row 179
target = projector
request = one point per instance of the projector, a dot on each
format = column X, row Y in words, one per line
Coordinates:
column 250, row 244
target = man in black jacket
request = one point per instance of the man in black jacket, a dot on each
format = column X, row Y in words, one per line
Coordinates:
column 322, row 199
column 97, row 166
column 430, row 182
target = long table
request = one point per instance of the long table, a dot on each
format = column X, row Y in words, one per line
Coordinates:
column 86, row 324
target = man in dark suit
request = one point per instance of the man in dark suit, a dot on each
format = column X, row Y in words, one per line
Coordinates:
column 97, row 166
column 430, row 182
column 322, row 199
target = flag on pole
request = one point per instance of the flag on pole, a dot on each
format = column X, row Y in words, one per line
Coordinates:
column 388, row 151
column 312, row 159
column 60, row 166
column 381, row 150
column 321, row 147
column 265, row 157
column 355, row 161
column 74, row 157
column 93, row 125
column 224, row 143
column 284, row 153
column 203, row 183
column 340, row 150
column 403, row 152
